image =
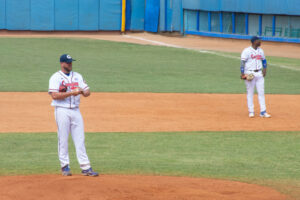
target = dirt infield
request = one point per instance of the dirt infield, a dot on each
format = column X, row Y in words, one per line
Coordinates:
column 129, row 188
column 288, row 50
column 151, row 112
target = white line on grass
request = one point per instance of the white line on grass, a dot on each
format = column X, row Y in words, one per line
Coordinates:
column 203, row 51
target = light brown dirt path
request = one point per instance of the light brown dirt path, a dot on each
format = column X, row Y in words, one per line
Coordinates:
column 288, row 50
column 151, row 112
column 113, row 187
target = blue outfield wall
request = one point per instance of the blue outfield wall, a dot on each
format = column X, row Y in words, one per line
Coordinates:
column 152, row 15
column 284, row 7
column 110, row 15
column 67, row 15
column 42, row 15
column 135, row 15
column 170, row 18
column 168, row 15
column 2, row 14
column 18, row 15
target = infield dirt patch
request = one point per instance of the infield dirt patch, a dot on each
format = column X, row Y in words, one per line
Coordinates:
column 151, row 112
column 118, row 187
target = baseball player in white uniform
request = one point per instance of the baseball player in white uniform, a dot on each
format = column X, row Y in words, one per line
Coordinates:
column 65, row 88
column 253, row 62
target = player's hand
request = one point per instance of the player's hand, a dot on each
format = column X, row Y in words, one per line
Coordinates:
column 77, row 91
column 243, row 76
column 264, row 71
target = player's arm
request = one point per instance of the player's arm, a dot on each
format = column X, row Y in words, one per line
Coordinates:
column 86, row 93
column 264, row 71
column 63, row 95
column 242, row 68
column 244, row 58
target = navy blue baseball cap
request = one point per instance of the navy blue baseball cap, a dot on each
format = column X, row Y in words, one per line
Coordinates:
column 254, row 38
column 66, row 58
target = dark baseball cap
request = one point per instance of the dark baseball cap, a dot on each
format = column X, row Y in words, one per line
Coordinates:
column 66, row 58
column 254, row 38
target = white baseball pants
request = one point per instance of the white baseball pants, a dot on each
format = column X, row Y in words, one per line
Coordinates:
column 70, row 121
column 259, row 83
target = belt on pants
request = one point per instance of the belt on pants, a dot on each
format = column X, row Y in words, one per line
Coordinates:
column 257, row 70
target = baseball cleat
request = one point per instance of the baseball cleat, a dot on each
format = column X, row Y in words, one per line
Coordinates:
column 265, row 115
column 89, row 172
column 66, row 171
column 251, row 115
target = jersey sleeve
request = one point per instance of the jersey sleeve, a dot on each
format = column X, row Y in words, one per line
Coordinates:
column 53, row 84
column 244, row 55
column 83, row 84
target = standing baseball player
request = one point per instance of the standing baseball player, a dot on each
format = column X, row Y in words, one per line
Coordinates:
column 253, row 70
column 65, row 88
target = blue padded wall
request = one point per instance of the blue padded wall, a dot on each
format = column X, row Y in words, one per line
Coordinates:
column 137, row 19
column 152, row 15
column 2, row 14
column 162, row 16
column 176, row 15
column 66, row 14
column 135, row 15
column 110, row 15
column 42, row 15
column 286, row 7
column 293, row 6
column 18, row 14
column 170, row 18
column 89, row 15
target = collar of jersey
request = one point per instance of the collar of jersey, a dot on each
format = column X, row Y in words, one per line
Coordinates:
column 67, row 75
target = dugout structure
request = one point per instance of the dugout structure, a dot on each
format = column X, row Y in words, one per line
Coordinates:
column 273, row 20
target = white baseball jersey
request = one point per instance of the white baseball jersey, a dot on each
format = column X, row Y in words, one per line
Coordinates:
column 72, row 81
column 253, row 59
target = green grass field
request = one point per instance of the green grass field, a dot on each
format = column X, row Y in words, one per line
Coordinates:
column 254, row 157
column 266, row 158
column 27, row 64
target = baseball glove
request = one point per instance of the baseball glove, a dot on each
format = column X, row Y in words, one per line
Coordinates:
column 248, row 77
column 63, row 88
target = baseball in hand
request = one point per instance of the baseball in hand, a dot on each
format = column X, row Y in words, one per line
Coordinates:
column 77, row 91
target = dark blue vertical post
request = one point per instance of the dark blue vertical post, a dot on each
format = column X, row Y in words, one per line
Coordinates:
column 247, row 24
column 209, row 21
column 274, row 25
column 128, row 15
column 221, row 22
column 198, row 23
column 233, row 22
column 260, row 25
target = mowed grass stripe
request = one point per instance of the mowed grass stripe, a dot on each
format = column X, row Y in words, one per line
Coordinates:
column 26, row 64
column 241, row 155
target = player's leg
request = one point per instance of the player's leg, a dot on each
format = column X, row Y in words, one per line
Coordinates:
column 260, row 86
column 77, row 131
column 63, row 129
column 250, row 85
